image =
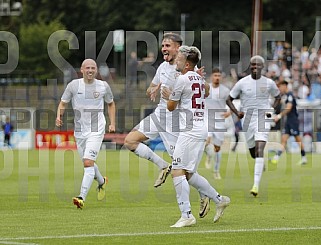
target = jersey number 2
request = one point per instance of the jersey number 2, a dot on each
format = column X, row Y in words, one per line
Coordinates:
column 197, row 89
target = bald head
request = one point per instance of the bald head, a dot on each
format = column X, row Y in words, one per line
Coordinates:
column 88, row 62
column 89, row 70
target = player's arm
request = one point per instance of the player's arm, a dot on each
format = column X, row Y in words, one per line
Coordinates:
column 112, row 116
column 277, row 101
column 230, row 104
column 207, row 90
column 60, row 113
column 175, row 96
column 285, row 111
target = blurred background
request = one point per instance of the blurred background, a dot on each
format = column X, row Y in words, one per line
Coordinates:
column 43, row 43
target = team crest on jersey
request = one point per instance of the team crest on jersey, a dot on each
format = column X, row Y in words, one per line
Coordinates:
column 263, row 89
column 96, row 95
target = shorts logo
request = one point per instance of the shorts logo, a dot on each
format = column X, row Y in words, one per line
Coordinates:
column 93, row 153
column 96, row 95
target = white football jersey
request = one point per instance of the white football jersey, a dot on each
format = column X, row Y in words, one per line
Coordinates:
column 215, row 105
column 166, row 74
column 189, row 90
column 255, row 94
column 88, row 105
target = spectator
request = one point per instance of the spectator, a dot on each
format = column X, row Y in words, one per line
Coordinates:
column 7, row 129
column 132, row 68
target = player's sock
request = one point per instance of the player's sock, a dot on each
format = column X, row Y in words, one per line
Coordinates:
column 279, row 152
column 218, row 157
column 204, row 188
column 89, row 174
column 98, row 176
column 144, row 151
column 258, row 170
column 209, row 150
column 303, row 152
column 182, row 195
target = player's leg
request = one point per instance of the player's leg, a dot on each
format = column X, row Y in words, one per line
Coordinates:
column 169, row 140
column 89, row 150
column 218, row 139
column 259, row 165
column 286, row 132
column 217, row 165
column 94, row 143
column 209, row 151
column 250, row 140
column 284, row 139
column 181, row 185
column 192, row 159
column 133, row 142
column 303, row 157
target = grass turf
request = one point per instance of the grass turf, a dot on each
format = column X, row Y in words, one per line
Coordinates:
column 37, row 188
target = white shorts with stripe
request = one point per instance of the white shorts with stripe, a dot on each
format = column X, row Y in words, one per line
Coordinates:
column 188, row 153
column 88, row 148
column 159, row 123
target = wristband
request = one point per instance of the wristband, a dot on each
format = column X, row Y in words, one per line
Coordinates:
column 279, row 116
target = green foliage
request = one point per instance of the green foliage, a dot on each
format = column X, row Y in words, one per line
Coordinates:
column 147, row 15
column 34, row 48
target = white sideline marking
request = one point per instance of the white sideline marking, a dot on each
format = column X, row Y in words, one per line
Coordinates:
column 162, row 233
column 16, row 243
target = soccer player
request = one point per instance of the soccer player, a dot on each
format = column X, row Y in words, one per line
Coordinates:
column 215, row 105
column 88, row 95
column 153, row 126
column 188, row 97
column 291, row 126
column 255, row 91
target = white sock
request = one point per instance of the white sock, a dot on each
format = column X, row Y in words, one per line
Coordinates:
column 258, row 170
column 209, row 150
column 218, row 157
column 98, row 176
column 204, row 188
column 144, row 151
column 182, row 195
column 89, row 174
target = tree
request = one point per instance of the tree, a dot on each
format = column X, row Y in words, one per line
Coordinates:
column 33, row 44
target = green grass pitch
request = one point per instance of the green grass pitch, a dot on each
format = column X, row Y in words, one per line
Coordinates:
column 37, row 189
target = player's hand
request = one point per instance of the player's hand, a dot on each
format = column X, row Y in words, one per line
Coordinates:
column 240, row 114
column 226, row 114
column 152, row 92
column 201, row 71
column 277, row 118
column 166, row 92
column 111, row 129
column 59, row 122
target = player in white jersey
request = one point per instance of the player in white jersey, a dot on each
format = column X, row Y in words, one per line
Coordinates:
column 215, row 105
column 159, row 123
column 255, row 92
column 87, row 96
column 188, row 97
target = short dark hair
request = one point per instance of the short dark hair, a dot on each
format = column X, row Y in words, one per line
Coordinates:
column 174, row 37
column 216, row 70
column 283, row 82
